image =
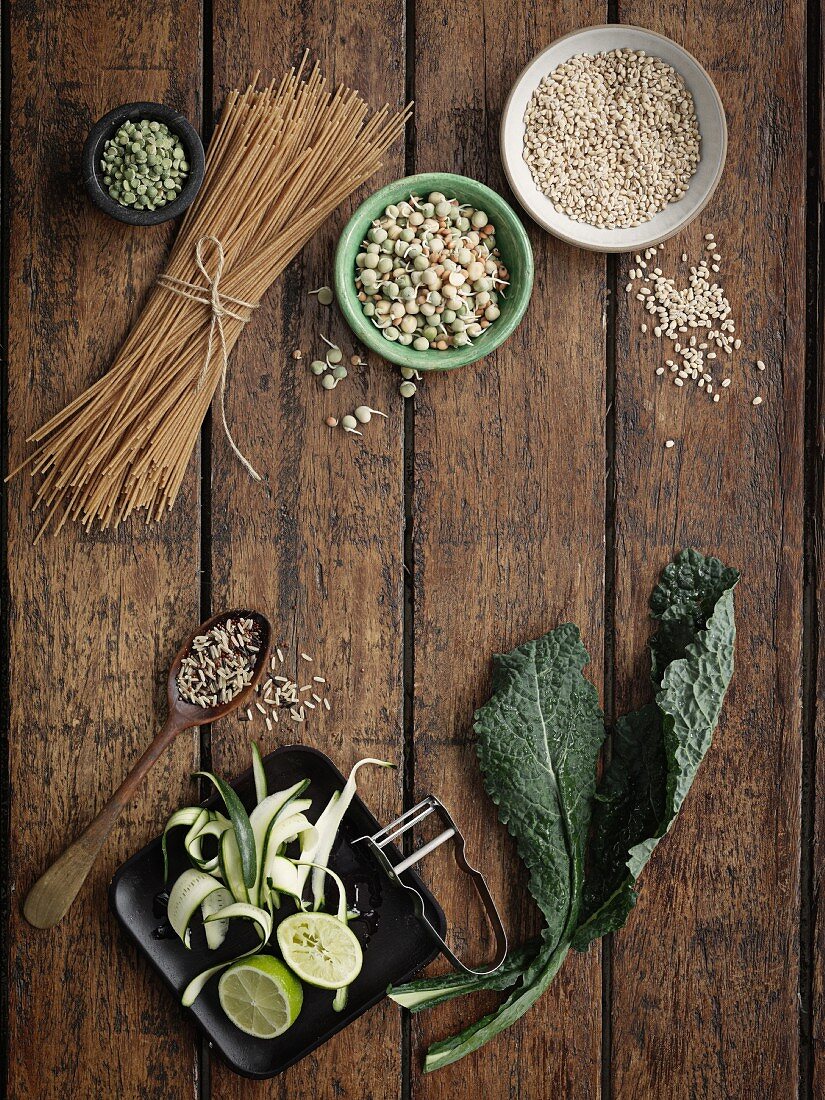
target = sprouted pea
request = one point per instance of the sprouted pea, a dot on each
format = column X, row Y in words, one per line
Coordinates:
column 331, row 422
column 324, row 295
column 317, row 366
column 407, row 389
column 363, row 414
column 328, row 382
column 334, row 355
column 340, row 372
column 349, row 424
column 430, row 275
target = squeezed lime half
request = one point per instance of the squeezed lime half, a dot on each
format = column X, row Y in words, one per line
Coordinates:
column 320, row 949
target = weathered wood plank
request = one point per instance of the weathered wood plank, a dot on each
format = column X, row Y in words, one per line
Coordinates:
column 319, row 548
column 94, row 619
column 508, row 535
column 705, row 976
column 816, row 1070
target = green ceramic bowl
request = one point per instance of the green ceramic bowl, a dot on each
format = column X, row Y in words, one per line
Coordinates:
column 512, row 244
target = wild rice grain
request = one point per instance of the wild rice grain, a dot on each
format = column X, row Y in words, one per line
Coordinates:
column 219, row 663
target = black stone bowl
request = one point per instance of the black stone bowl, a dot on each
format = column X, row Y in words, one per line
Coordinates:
column 107, row 127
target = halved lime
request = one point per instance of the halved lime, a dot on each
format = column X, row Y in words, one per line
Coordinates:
column 320, row 949
column 260, row 996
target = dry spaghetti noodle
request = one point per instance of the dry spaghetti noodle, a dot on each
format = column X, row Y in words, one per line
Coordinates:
column 281, row 159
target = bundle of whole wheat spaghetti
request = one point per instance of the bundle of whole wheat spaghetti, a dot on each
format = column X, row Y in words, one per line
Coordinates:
column 281, row 159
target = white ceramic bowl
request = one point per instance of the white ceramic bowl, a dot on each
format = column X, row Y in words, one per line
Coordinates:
column 709, row 113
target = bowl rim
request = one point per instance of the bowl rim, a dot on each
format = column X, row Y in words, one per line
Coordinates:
column 570, row 238
column 103, row 129
column 407, row 356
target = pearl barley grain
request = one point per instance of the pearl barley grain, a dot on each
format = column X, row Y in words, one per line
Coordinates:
column 612, row 138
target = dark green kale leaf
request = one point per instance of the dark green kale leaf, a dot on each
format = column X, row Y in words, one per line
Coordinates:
column 538, row 741
column 657, row 750
column 539, row 738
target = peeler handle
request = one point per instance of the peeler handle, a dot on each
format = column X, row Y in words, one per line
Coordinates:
column 377, row 844
column 487, row 901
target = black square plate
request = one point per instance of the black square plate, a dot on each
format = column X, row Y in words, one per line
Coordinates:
column 395, row 943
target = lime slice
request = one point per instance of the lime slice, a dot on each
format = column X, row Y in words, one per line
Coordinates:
column 260, row 996
column 320, row 949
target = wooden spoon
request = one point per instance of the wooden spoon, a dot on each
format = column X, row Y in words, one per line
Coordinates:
column 53, row 893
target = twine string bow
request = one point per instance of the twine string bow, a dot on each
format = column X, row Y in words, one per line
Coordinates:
column 219, row 304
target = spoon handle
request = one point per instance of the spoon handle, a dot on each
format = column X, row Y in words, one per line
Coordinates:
column 50, row 897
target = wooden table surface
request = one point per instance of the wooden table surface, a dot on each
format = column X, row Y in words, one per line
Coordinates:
column 530, row 489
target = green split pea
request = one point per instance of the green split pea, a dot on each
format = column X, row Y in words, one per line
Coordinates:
column 144, row 165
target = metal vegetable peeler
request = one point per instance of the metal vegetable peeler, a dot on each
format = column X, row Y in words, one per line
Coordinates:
column 379, row 841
